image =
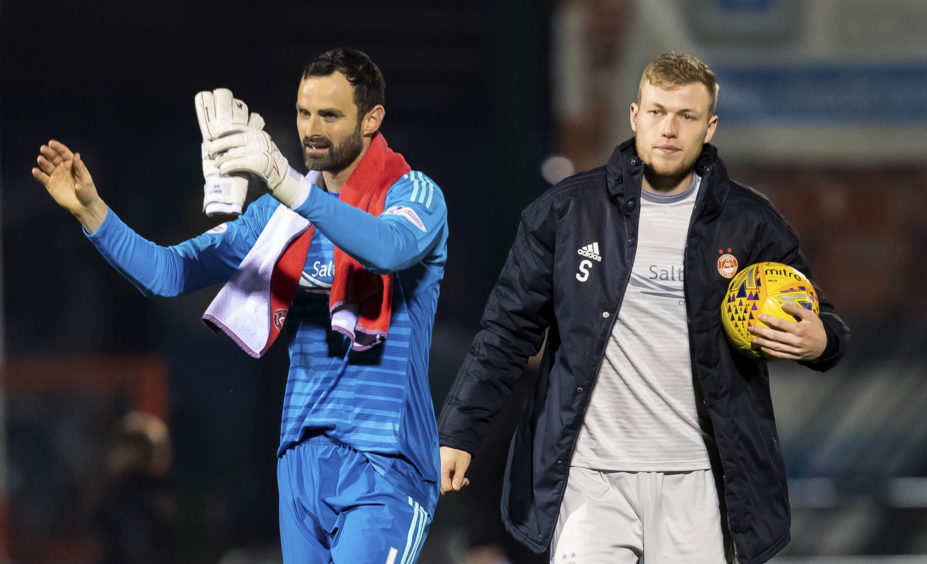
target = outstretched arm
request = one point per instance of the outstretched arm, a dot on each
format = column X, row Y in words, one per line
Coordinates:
column 154, row 269
column 68, row 181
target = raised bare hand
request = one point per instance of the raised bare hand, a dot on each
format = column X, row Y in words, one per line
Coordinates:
column 68, row 181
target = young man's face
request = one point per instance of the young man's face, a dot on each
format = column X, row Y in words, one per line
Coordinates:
column 328, row 123
column 671, row 125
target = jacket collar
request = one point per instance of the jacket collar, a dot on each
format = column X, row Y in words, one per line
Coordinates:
column 625, row 170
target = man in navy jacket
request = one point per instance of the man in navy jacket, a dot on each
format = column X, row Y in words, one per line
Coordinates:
column 648, row 432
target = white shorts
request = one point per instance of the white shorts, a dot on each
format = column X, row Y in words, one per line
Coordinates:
column 621, row 517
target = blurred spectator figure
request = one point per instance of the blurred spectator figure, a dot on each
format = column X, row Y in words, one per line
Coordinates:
column 134, row 519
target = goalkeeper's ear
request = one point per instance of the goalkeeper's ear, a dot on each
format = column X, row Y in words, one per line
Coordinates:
column 370, row 123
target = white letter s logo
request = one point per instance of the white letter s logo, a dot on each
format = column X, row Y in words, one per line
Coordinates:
column 583, row 273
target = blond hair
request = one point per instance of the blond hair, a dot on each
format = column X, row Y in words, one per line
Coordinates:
column 674, row 70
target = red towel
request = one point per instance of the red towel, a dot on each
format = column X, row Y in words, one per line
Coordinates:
column 356, row 292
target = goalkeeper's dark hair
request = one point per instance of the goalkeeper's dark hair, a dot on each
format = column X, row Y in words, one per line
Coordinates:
column 358, row 68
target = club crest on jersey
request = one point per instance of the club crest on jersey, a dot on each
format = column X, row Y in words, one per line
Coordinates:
column 727, row 264
column 279, row 318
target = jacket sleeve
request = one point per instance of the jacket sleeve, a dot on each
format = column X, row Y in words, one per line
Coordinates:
column 512, row 329
column 838, row 334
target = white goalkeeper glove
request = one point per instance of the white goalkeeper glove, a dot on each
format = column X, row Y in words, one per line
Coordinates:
column 254, row 151
column 219, row 113
column 223, row 194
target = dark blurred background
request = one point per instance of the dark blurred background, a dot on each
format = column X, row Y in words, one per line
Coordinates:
column 494, row 100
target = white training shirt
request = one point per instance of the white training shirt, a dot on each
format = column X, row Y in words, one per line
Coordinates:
column 642, row 414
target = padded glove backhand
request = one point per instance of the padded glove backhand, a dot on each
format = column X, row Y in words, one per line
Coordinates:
column 219, row 113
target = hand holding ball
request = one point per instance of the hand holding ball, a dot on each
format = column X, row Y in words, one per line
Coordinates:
column 763, row 288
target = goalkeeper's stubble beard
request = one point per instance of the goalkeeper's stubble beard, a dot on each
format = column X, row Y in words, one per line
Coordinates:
column 339, row 156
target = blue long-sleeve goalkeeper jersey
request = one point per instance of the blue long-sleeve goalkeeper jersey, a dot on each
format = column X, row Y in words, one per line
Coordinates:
column 376, row 401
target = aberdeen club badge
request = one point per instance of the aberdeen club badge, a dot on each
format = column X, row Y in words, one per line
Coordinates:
column 727, row 263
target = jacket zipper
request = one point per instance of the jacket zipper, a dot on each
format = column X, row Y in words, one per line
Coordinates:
column 685, row 289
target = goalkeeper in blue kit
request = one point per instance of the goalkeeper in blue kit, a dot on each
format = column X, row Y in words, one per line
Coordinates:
column 344, row 264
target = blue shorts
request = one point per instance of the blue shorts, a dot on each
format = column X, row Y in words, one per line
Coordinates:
column 336, row 507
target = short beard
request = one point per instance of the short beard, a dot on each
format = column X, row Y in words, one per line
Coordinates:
column 665, row 180
column 339, row 157
column 667, row 177
column 671, row 173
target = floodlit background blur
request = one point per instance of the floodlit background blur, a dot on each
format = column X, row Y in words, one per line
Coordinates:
column 823, row 107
